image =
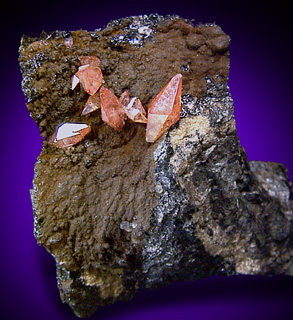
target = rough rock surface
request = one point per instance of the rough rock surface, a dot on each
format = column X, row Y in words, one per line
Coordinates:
column 118, row 213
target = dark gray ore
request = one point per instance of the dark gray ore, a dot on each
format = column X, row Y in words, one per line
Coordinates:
column 118, row 213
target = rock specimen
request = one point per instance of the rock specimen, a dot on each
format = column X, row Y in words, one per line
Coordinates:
column 119, row 213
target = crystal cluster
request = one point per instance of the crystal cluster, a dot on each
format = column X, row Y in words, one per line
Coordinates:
column 163, row 111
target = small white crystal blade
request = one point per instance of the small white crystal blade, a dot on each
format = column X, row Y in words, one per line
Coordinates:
column 69, row 130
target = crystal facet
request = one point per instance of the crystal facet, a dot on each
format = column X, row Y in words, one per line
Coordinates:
column 75, row 82
column 91, row 78
column 133, row 108
column 93, row 103
column 69, row 134
column 125, row 98
column 135, row 111
column 112, row 110
column 164, row 109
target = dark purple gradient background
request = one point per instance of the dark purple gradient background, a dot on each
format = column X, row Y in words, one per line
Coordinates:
column 261, row 86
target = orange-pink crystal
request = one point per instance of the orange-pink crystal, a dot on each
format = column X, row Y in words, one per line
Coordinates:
column 112, row 110
column 70, row 141
column 133, row 108
column 125, row 98
column 93, row 103
column 135, row 111
column 164, row 109
column 90, row 77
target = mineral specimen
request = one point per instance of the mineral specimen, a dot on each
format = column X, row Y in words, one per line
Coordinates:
column 118, row 213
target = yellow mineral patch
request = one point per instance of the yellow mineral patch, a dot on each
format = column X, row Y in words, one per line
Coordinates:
column 190, row 132
column 189, row 128
column 187, row 136
column 109, row 283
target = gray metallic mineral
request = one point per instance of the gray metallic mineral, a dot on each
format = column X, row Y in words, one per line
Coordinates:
column 118, row 213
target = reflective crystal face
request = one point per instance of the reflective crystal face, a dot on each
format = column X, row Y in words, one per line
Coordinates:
column 135, row 111
column 69, row 134
column 154, row 128
column 91, row 78
column 69, row 129
column 75, row 82
column 93, row 103
column 164, row 110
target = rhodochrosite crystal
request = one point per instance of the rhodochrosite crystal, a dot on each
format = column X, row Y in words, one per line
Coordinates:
column 92, row 60
column 125, row 98
column 164, row 110
column 89, row 74
column 111, row 109
column 91, row 78
column 133, row 108
column 93, row 103
column 135, row 111
column 69, row 134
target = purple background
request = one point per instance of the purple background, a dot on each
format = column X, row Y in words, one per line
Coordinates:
column 260, row 82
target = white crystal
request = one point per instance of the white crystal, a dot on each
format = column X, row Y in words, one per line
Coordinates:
column 145, row 30
column 83, row 67
column 75, row 82
column 129, row 108
column 127, row 226
column 69, row 130
column 131, row 102
column 134, row 41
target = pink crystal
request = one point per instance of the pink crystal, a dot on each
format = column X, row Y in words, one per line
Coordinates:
column 112, row 110
column 125, row 98
column 91, row 78
column 93, row 103
column 72, row 137
column 164, row 109
column 135, row 111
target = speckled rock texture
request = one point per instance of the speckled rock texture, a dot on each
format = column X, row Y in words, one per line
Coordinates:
column 118, row 213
